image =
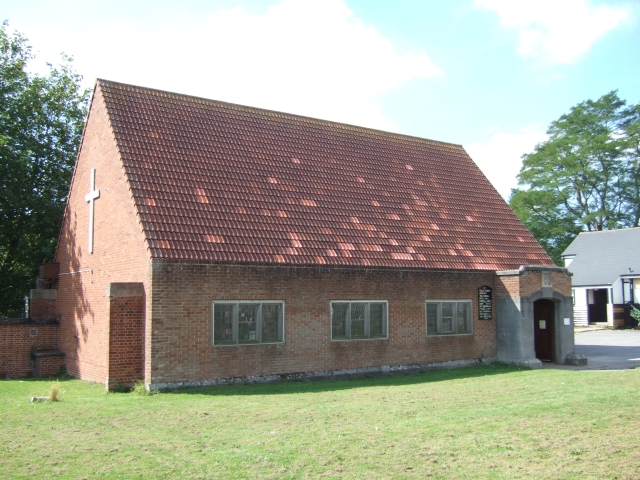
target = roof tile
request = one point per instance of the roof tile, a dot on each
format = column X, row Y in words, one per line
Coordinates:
column 219, row 182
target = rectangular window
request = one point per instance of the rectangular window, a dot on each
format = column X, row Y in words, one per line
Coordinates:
column 352, row 320
column 248, row 322
column 449, row 317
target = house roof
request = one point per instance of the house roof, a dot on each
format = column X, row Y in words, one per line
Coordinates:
column 602, row 257
column 219, row 182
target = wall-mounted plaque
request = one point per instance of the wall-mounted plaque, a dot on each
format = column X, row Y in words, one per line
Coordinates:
column 485, row 310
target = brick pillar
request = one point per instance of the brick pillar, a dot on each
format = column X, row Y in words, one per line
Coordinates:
column 126, row 334
column 42, row 304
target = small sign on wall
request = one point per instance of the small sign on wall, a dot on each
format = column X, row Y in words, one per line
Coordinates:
column 543, row 324
column 546, row 279
column 485, row 308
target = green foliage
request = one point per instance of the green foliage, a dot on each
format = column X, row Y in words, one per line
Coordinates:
column 41, row 121
column 542, row 215
column 62, row 373
column 584, row 177
column 635, row 313
column 139, row 389
column 55, row 393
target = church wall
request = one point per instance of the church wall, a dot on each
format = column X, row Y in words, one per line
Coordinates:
column 119, row 253
column 181, row 315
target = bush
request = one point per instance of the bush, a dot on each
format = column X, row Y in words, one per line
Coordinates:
column 55, row 395
column 140, row 390
column 635, row 313
column 62, row 372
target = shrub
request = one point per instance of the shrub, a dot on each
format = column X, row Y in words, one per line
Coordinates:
column 140, row 390
column 55, row 395
column 635, row 313
column 62, row 372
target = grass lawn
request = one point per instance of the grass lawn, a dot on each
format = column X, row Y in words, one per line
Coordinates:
column 478, row 422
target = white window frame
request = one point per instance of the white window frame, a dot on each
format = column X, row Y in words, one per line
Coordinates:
column 367, row 325
column 234, row 322
column 454, row 319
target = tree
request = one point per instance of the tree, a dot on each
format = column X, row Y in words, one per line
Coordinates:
column 41, row 121
column 584, row 177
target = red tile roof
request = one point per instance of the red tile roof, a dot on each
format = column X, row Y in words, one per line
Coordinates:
column 225, row 183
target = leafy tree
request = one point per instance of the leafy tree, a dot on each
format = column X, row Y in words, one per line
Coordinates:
column 631, row 193
column 584, row 177
column 41, row 121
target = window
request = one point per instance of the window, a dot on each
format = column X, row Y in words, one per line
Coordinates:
column 238, row 323
column 445, row 317
column 359, row 320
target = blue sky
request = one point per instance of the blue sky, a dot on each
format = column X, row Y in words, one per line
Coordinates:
column 488, row 74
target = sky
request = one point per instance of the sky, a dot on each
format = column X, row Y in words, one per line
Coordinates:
column 490, row 75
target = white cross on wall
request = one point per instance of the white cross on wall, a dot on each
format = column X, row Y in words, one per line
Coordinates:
column 90, row 197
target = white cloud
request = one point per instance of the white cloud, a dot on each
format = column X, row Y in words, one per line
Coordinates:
column 311, row 57
column 556, row 31
column 500, row 157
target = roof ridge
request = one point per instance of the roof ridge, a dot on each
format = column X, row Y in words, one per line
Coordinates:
column 293, row 116
column 611, row 231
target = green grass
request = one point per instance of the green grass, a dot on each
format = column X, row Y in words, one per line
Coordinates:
column 479, row 422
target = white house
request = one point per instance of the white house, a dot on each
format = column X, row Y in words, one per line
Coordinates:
column 606, row 275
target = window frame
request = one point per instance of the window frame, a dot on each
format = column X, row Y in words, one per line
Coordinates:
column 454, row 319
column 367, row 321
column 259, row 322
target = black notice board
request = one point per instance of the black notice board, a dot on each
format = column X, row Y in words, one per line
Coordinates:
column 485, row 310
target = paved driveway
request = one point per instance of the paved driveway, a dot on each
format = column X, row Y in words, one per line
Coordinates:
column 609, row 349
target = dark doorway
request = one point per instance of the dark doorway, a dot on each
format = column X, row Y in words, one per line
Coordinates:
column 544, row 315
column 598, row 309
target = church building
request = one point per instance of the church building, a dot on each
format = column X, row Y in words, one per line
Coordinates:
column 206, row 243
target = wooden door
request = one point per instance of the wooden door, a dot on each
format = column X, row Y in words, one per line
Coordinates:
column 543, row 330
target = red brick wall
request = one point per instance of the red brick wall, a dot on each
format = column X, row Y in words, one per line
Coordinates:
column 42, row 308
column 181, row 320
column 126, row 340
column 16, row 342
column 529, row 282
column 561, row 283
column 119, row 254
column 508, row 286
column 49, row 366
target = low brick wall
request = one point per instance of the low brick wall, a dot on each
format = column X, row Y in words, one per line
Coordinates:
column 17, row 338
column 48, row 363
